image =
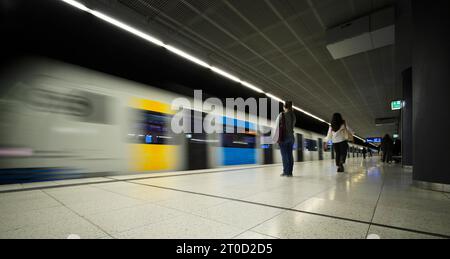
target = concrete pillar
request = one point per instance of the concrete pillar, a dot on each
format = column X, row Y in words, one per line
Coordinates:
column 407, row 125
column 403, row 78
column 431, row 92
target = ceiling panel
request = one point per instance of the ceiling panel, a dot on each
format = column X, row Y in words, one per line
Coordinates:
column 280, row 45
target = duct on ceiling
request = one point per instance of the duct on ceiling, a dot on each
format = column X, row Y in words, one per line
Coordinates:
column 361, row 35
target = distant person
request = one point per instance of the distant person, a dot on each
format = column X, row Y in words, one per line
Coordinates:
column 387, row 146
column 284, row 136
column 364, row 153
column 397, row 151
column 340, row 134
column 370, row 152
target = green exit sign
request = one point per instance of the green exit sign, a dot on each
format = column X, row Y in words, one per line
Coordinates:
column 396, row 105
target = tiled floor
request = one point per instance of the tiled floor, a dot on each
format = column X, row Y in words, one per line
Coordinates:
column 256, row 203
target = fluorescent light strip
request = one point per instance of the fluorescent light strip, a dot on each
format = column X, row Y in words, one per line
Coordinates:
column 254, row 88
column 225, row 74
column 178, row 52
column 360, row 138
column 187, row 56
column 128, row 28
column 77, row 5
column 275, row 98
column 309, row 114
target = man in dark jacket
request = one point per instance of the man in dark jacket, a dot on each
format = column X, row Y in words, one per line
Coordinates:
column 285, row 133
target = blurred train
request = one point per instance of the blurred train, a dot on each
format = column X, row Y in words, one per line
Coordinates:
column 60, row 121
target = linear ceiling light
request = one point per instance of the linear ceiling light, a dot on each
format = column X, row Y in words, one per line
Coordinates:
column 225, row 74
column 275, row 98
column 254, row 88
column 310, row 115
column 77, row 5
column 360, row 138
column 187, row 56
column 178, row 52
column 127, row 28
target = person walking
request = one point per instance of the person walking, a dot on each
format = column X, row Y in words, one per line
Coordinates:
column 340, row 134
column 364, row 151
column 387, row 146
column 284, row 136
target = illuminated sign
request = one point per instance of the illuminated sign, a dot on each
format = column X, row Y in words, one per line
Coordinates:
column 396, row 105
column 374, row 140
column 396, row 136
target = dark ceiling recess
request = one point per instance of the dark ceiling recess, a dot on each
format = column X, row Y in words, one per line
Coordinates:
column 53, row 29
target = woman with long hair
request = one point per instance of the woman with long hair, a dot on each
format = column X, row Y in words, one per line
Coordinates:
column 340, row 134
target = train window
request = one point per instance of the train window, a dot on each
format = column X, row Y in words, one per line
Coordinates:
column 197, row 118
column 59, row 96
column 79, row 105
column 239, row 140
column 101, row 108
column 311, row 145
column 238, row 134
column 151, row 128
column 49, row 101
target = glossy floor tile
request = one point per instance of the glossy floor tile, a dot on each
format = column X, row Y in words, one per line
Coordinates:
column 255, row 203
column 432, row 222
column 238, row 214
column 296, row 225
column 121, row 220
column 191, row 203
column 251, row 235
column 62, row 229
column 33, row 218
column 389, row 233
column 184, row 227
column 337, row 208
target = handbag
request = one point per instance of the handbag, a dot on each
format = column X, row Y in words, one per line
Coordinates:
column 347, row 134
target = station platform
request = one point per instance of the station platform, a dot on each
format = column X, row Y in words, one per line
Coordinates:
column 371, row 200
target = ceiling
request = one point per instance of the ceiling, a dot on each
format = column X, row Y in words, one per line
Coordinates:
column 278, row 45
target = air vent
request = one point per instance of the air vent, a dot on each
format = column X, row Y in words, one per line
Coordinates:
column 362, row 35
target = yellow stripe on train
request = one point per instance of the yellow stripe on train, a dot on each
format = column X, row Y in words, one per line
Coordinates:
column 148, row 157
column 149, row 105
column 153, row 157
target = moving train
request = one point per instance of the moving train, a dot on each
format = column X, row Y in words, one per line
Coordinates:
column 60, row 121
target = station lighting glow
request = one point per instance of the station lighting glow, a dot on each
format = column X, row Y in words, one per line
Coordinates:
column 275, row 98
column 179, row 52
column 254, row 88
column 187, row 56
column 310, row 115
column 128, row 28
column 360, row 138
column 225, row 74
column 77, row 5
